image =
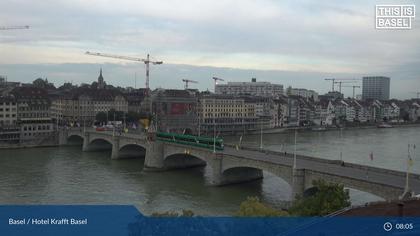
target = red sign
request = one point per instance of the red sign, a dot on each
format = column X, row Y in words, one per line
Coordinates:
column 180, row 108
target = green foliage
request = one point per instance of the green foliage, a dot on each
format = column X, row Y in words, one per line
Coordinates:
column 252, row 207
column 101, row 117
column 133, row 116
column 185, row 213
column 328, row 199
column 40, row 83
column 119, row 115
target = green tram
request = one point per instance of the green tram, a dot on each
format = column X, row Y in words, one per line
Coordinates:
column 198, row 141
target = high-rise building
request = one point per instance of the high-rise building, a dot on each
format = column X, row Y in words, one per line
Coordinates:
column 254, row 88
column 376, row 87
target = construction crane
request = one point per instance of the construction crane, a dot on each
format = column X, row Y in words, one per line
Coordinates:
column 354, row 88
column 146, row 61
column 341, row 82
column 333, row 82
column 188, row 81
column 337, row 81
column 215, row 82
column 14, row 27
column 417, row 93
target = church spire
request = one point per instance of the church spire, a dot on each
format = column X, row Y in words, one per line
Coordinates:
column 101, row 82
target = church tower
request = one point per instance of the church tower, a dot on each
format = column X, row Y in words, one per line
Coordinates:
column 101, row 82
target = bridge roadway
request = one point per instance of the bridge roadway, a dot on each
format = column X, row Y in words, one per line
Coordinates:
column 332, row 167
column 232, row 165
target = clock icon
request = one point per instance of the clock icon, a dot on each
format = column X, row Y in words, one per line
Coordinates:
column 387, row 226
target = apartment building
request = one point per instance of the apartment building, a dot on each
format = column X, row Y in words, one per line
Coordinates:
column 82, row 104
column 175, row 110
column 9, row 130
column 254, row 88
column 33, row 113
column 226, row 113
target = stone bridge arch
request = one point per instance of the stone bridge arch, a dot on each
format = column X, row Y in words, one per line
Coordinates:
column 72, row 138
column 255, row 167
column 131, row 149
column 97, row 144
column 177, row 156
column 386, row 192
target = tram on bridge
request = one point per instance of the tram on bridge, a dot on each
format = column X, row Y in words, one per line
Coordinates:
column 197, row 141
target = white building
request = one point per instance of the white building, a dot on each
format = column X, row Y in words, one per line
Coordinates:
column 324, row 113
column 254, row 88
column 8, row 111
column 306, row 93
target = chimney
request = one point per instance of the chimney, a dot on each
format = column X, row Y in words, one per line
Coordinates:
column 253, row 80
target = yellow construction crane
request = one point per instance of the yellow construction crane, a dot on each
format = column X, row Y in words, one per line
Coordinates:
column 14, row 27
column 186, row 81
column 146, row 61
column 354, row 88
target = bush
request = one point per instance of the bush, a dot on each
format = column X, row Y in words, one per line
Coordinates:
column 252, row 207
column 327, row 199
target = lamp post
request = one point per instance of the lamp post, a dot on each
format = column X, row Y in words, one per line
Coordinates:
column 113, row 126
column 408, row 169
column 294, row 153
column 261, row 134
column 341, row 144
column 199, row 125
column 214, row 126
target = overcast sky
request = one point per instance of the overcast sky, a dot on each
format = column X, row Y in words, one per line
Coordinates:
column 297, row 43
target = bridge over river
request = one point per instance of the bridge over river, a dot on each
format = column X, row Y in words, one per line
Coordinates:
column 231, row 165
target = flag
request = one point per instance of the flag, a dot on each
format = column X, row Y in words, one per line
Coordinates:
column 371, row 156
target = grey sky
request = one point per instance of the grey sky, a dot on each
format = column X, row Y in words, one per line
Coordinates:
column 295, row 43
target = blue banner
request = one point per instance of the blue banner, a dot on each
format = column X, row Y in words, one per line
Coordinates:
column 127, row 220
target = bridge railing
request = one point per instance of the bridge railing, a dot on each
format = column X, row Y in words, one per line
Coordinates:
column 328, row 161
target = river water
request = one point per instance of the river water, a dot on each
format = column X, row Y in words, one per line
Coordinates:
column 66, row 175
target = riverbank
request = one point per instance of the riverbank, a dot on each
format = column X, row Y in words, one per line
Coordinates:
column 313, row 128
column 49, row 141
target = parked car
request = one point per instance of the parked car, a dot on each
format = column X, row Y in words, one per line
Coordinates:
column 100, row 129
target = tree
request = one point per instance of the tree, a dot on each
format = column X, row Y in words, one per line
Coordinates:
column 289, row 90
column 101, row 117
column 94, row 85
column 119, row 115
column 185, row 213
column 252, row 207
column 327, row 199
column 40, row 83
column 67, row 86
column 133, row 117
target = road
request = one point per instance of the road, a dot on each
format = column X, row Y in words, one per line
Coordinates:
column 375, row 175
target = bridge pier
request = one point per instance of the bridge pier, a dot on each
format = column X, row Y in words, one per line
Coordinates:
column 62, row 137
column 115, row 148
column 85, row 147
column 154, row 159
column 298, row 182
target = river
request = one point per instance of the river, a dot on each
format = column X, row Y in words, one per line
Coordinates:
column 66, row 175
